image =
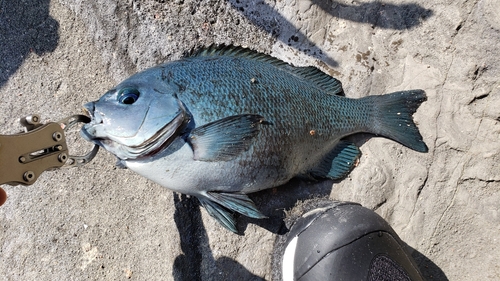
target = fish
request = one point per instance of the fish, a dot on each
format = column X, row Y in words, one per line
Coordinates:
column 226, row 121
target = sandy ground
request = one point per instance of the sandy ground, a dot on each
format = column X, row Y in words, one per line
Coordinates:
column 103, row 223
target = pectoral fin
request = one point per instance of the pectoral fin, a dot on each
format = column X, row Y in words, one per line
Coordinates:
column 224, row 139
column 339, row 162
column 221, row 206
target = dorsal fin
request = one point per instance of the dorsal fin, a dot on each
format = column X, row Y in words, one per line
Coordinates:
column 322, row 80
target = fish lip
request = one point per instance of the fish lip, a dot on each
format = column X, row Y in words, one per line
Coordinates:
column 89, row 109
column 87, row 113
column 86, row 135
column 162, row 139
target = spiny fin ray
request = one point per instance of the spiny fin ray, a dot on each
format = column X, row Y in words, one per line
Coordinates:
column 312, row 74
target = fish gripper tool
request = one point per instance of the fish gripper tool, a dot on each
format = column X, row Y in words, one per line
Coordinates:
column 24, row 156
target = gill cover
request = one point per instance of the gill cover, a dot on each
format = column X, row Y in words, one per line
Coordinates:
column 135, row 119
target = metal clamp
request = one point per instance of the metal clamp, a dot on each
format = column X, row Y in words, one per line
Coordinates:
column 42, row 147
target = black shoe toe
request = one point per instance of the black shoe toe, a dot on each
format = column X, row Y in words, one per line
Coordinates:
column 345, row 241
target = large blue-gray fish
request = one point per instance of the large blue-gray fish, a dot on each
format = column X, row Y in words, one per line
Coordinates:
column 227, row 121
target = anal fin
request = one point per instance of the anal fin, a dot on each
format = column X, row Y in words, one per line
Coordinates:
column 339, row 162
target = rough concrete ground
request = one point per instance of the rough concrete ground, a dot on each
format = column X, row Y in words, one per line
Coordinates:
column 103, row 223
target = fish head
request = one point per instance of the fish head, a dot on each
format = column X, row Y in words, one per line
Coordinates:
column 136, row 119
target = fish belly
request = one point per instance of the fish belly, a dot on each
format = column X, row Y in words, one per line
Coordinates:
column 257, row 169
column 193, row 177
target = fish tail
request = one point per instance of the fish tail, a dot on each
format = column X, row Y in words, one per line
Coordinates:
column 392, row 117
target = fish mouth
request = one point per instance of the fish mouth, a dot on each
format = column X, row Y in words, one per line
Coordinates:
column 149, row 147
column 87, row 113
column 88, row 110
column 161, row 139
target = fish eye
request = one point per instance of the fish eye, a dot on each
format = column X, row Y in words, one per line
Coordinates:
column 128, row 96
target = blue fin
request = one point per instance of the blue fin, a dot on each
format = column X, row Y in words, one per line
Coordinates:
column 221, row 206
column 312, row 74
column 324, row 81
column 221, row 214
column 237, row 202
column 224, row 139
column 392, row 117
column 339, row 162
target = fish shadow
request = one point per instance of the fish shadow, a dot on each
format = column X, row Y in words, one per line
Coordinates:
column 195, row 246
column 193, row 238
column 25, row 27
column 275, row 201
column 376, row 14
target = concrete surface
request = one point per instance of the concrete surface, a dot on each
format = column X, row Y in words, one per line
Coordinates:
column 103, row 223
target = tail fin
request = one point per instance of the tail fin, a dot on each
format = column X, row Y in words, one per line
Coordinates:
column 392, row 117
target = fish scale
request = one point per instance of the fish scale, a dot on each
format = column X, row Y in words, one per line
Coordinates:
column 227, row 121
column 224, row 101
